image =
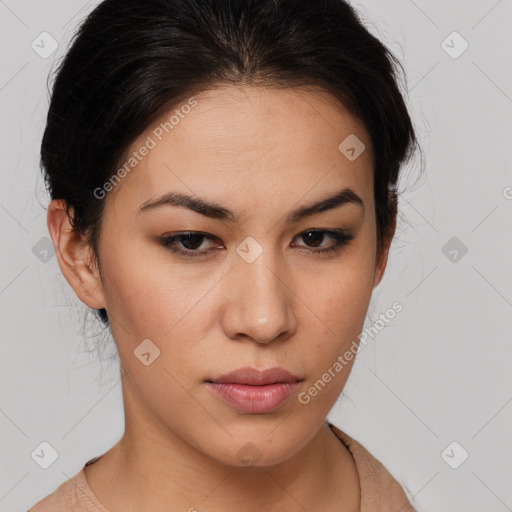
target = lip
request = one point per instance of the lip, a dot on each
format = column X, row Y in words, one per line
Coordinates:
column 255, row 377
column 255, row 391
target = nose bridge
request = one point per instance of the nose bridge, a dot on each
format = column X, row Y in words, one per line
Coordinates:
column 260, row 306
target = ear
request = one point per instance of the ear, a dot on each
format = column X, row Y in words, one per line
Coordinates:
column 382, row 258
column 75, row 256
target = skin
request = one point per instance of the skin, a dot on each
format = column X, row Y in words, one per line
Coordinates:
column 260, row 152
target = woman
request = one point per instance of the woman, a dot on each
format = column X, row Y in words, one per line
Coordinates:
column 223, row 183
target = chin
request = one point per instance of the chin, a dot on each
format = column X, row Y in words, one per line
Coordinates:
column 255, row 447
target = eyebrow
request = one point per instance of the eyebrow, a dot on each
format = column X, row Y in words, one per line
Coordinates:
column 216, row 211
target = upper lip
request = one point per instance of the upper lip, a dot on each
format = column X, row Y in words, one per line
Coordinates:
column 255, row 377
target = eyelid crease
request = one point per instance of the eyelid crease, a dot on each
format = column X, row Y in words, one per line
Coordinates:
column 341, row 237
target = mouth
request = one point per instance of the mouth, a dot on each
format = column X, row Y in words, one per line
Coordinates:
column 251, row 390
column 255, row 377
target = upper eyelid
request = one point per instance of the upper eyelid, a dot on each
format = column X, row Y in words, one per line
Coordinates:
column 329, row 232
column 340, row 237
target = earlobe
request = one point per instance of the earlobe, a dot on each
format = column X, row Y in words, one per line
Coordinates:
column 75, row 256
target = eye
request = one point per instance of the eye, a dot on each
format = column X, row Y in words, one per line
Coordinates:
column 191, row 241
column 315, row 237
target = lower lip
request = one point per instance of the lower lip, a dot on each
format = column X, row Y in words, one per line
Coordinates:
column 254, row 399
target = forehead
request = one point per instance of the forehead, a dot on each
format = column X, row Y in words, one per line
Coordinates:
column 259, row 141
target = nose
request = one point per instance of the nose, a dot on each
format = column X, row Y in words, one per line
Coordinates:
column 259, row 302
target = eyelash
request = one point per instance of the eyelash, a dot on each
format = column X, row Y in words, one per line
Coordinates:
column 340, row 237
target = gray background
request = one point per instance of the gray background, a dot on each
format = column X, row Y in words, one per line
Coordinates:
column 439, row 373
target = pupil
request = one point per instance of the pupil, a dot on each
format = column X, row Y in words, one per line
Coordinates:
column 315, row 237
column 189, row 240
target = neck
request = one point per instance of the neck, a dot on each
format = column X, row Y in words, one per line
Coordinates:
column 154, row 468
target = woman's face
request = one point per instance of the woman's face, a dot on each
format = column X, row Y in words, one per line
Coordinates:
column 258, row 293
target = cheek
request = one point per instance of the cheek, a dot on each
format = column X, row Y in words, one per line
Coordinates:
column 342, row 294
column 145, row 294
column 150, row 298
column 340, row 303
column 341, row 318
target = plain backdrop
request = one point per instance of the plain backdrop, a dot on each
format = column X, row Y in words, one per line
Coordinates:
column 430, row 395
